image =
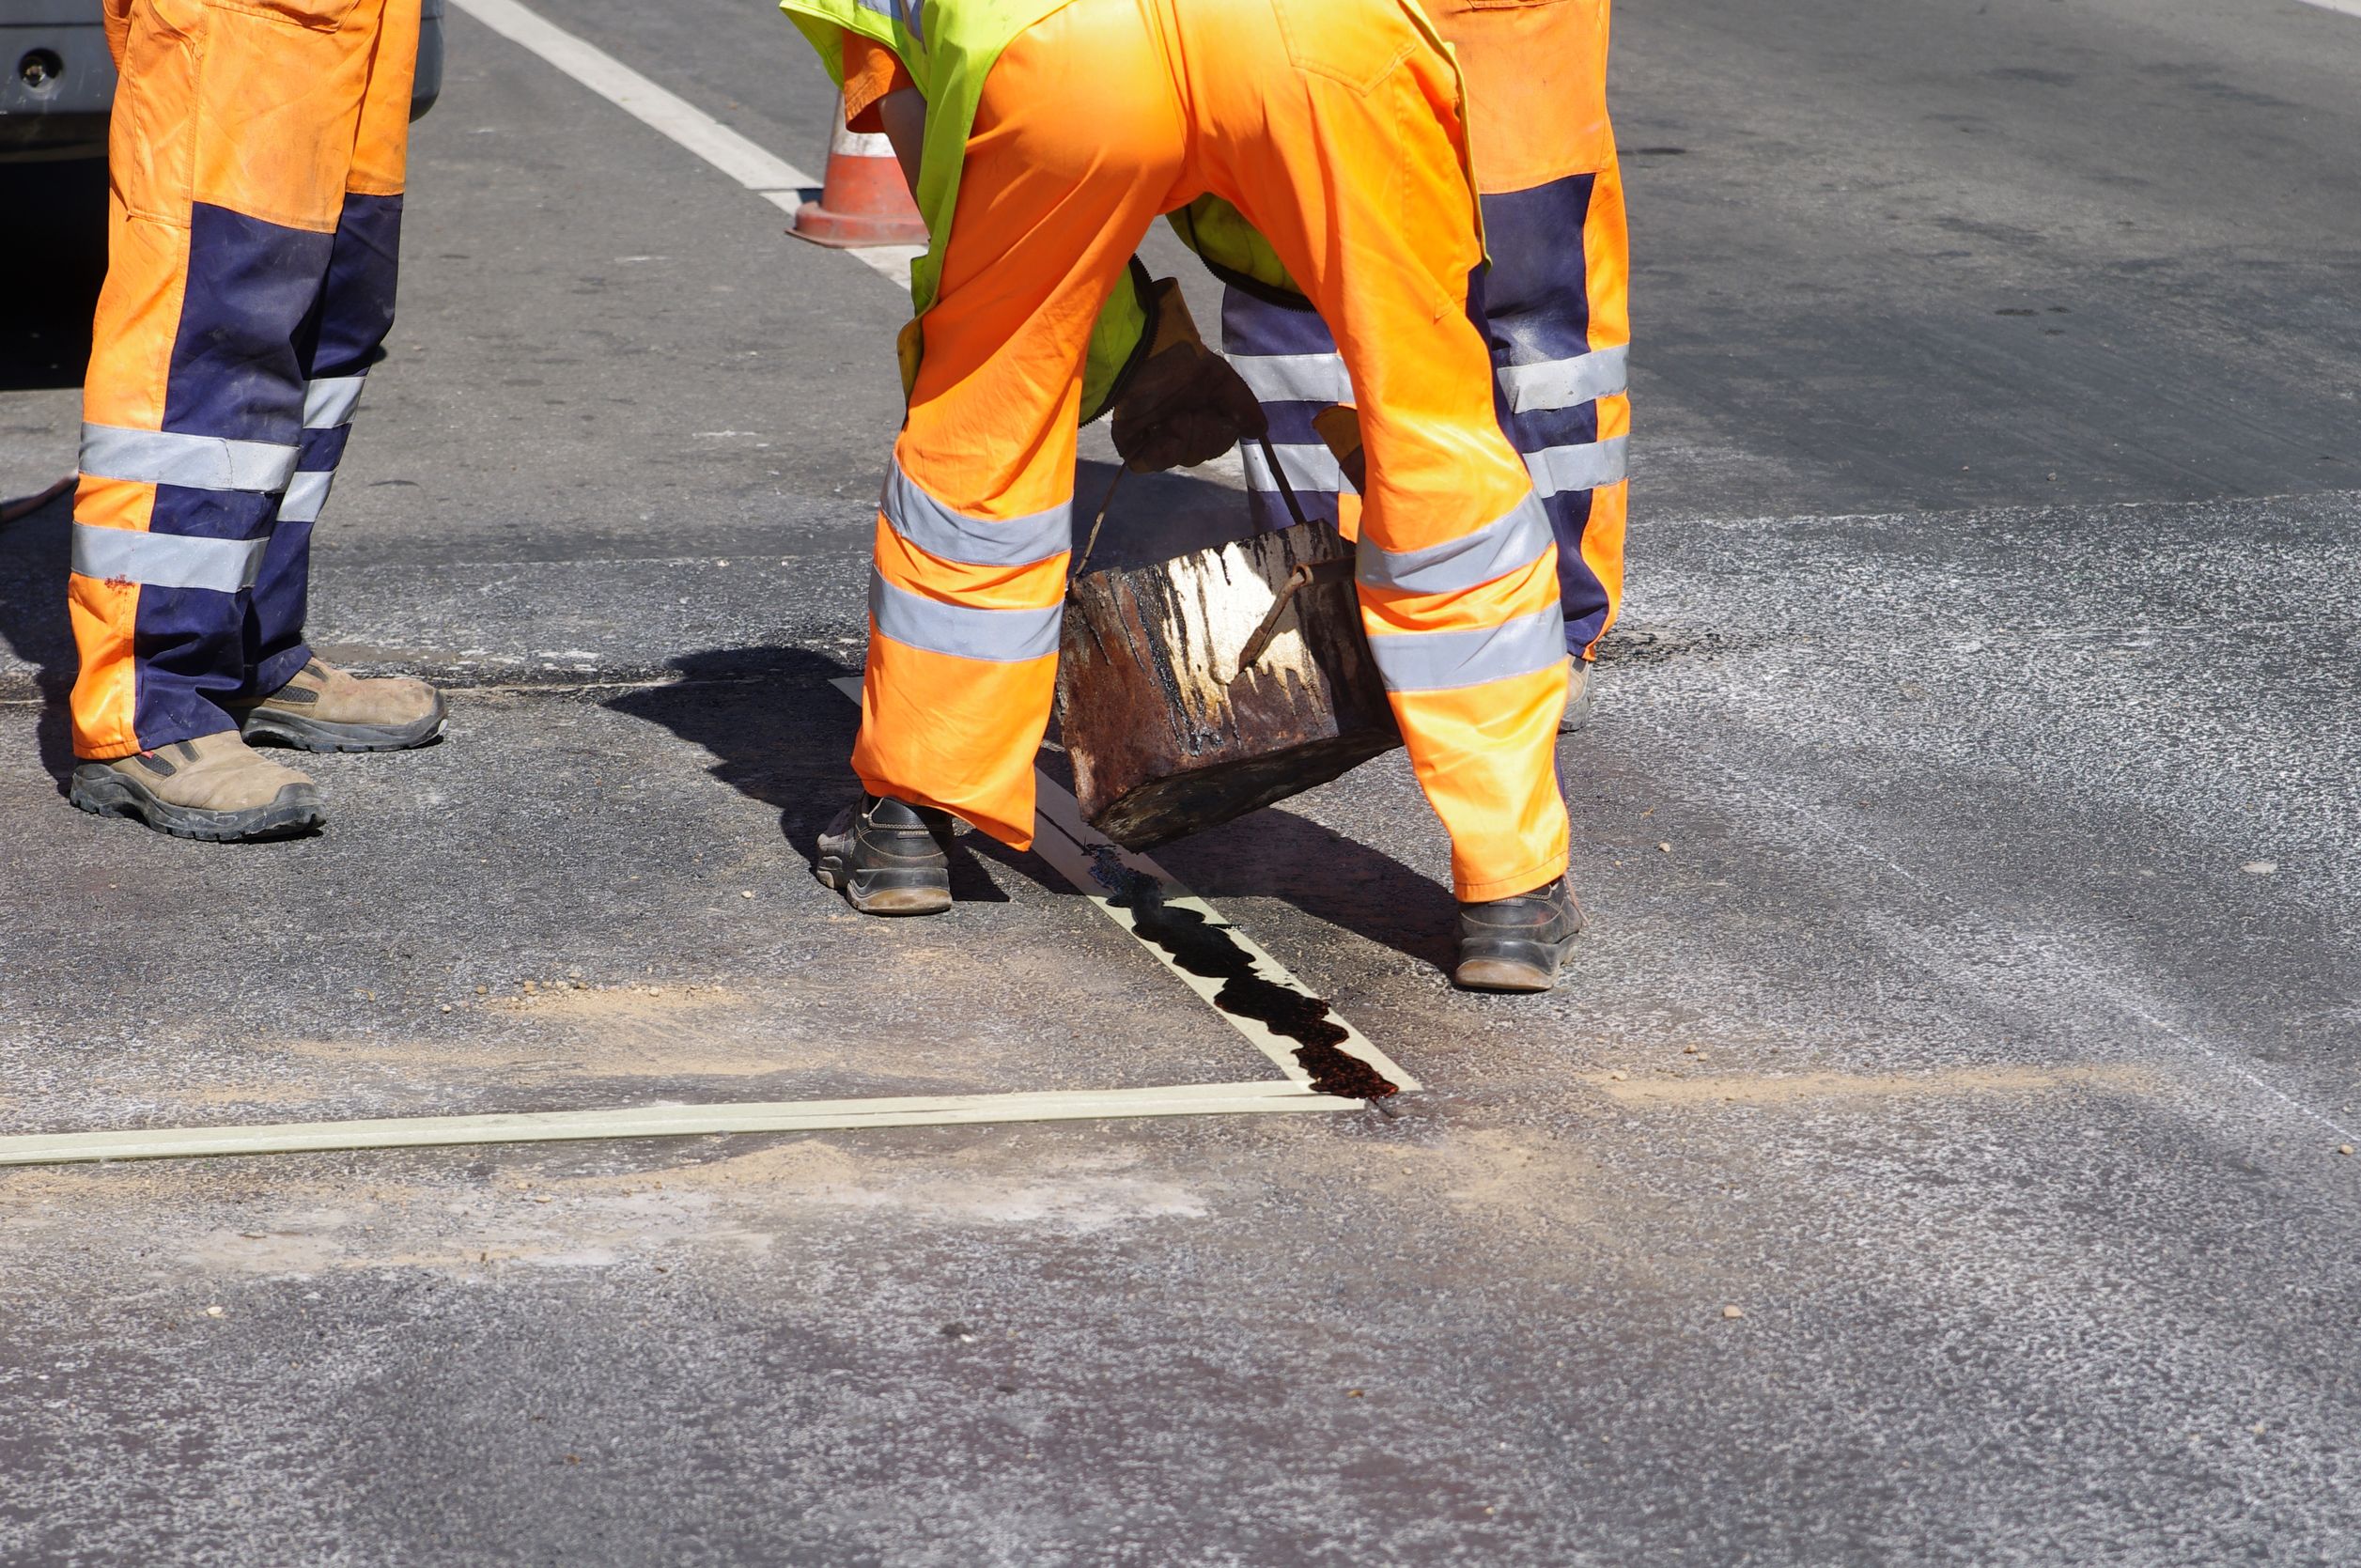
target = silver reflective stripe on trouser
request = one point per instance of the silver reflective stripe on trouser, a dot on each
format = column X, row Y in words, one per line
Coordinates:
column 1512, row 540
column 1294, row 377
column 165, row 560
column 1565, row 383
column 328, row 400
column 952, row 536
column 963, row 632
column 1586, row 466
column 1443, row 661
column 1308, row 468
column 192, row 462
column 306, row 493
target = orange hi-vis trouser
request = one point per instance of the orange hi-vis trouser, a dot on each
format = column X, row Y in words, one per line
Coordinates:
column 256, row 159
column 1333, row 126
column 1554, row 298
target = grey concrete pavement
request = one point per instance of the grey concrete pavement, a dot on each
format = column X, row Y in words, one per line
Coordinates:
column 1969, row 1001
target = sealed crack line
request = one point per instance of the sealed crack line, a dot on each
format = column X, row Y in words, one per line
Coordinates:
column 1198, row 946
column 1279, row 1016
column 742, row 160
column 667, row 1121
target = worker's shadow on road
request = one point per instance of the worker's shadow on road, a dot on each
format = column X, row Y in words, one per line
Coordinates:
column 49, row 282
column 33, row 624
column 1274, row 853
column 779, row 732
column 47, row 290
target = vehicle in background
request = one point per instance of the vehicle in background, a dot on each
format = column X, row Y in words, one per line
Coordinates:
column 60, row 79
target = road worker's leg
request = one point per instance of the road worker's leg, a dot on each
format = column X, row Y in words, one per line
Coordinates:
column 1555, row 294
column 1284, row 350
column 233, row 131
column 339, row 343
column 1554, row 298
column 1073, row 154
column 1333, row 126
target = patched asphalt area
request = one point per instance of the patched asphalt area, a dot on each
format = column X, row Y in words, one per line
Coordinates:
column 1933, row 1156
column 2009, row 1192
column 636, row 921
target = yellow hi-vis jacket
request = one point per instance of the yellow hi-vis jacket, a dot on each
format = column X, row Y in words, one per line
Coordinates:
column 948, row 53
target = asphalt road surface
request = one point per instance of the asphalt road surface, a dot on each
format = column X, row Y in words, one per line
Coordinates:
column 1967, row 830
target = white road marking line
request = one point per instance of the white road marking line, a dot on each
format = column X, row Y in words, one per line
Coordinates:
column 890, row 262
column 758, row 169
column 1061, row 838
column 2351, row 7
column 664, row 1121
column 743, row 160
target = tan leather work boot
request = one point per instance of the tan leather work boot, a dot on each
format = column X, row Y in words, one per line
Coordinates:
column 1578, row 711
column 324, row 709
column 212, row 787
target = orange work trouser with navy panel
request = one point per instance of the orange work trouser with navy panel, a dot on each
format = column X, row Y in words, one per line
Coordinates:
column 1554, row 297
column 1333, row 126
column 257, row 155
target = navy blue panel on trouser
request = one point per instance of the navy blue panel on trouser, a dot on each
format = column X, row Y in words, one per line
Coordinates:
column 234, row 373
column 343, row 337
column 1537, row 309
column 1534, row 304
column 1282, row 338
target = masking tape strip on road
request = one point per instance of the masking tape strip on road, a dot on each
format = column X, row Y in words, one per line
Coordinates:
column 750, row 165
column 1070, row 846
column 664, row 1121
column 1061, row 838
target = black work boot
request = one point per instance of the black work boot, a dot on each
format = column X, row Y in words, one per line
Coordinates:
column 888, row 857
column 1517, row 944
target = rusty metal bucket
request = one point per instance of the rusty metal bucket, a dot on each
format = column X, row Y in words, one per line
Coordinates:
column 1197, row 689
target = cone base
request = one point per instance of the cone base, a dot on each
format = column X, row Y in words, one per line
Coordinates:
column 816, row 222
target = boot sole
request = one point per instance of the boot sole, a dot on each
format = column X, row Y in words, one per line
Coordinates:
column 1514, row 966
column 891, row 891
column 104, row 792
column 279, row 727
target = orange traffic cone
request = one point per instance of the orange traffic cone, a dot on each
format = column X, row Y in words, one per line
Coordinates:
column 864, row 199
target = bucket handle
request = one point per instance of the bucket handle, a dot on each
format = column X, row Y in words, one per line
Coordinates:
column 1336, row 568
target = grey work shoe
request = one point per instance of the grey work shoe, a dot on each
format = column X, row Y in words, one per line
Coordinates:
column 212, row 787
column 1517, row 944
column 888, row 857
column 1578, row 711
column 324, row 709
